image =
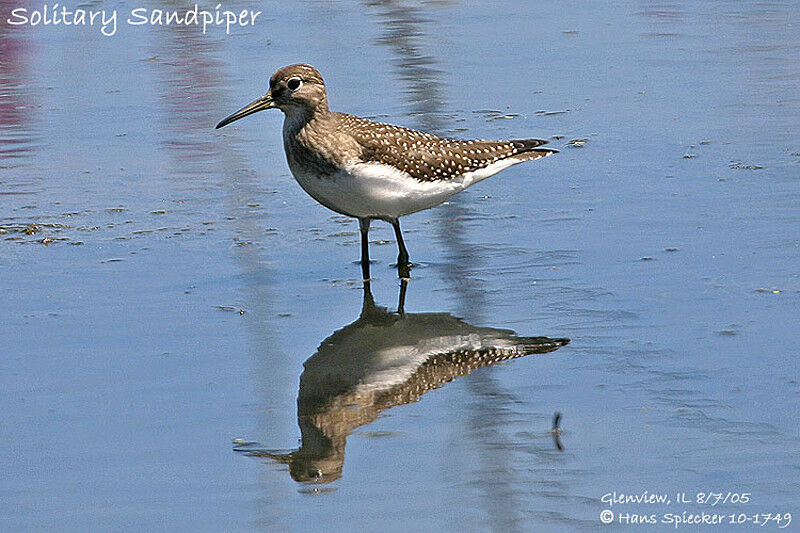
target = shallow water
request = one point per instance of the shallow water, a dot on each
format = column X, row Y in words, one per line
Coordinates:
column 177, row 279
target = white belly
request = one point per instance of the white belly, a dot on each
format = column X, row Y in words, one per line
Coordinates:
column 377, row 191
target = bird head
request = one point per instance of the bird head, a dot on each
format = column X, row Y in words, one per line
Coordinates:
column 294, row 89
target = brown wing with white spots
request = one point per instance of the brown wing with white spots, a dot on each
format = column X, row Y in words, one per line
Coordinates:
column 427, row 157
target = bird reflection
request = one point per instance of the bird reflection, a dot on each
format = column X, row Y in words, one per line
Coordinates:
column 384, row 359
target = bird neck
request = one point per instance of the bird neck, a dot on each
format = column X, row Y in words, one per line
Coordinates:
column 297, row 117
column 308, row 142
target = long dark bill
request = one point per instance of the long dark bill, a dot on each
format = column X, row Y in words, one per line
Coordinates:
column 265, row 102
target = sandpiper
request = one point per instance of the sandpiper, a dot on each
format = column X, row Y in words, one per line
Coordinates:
column 374, row 171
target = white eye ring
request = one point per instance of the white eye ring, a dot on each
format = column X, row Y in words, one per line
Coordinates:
column 294, row 83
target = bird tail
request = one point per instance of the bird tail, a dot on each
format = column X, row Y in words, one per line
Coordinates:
column 529, row 149
column 533, row 345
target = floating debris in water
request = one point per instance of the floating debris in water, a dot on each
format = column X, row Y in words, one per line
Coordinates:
column 32, row 228
column 646, row 258
column 670, row 249
column 577, row 143
column 230, row 309
column 689, row 156
column 494, row 114
column 741, row 166
column 316, row 490
column 507, row 116
column 766, row 290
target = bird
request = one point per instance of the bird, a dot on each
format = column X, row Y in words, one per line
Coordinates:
column 370, row 170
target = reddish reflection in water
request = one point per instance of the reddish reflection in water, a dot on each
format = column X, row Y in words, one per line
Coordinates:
column 189, row 75
column 16, row 102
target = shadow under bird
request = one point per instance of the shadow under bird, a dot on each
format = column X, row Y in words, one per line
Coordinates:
column 374, row 171
column 382, row 360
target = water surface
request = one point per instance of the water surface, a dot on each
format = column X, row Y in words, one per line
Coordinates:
column 165, row 282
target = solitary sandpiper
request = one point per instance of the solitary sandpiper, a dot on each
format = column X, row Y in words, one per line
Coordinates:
column 369, row 170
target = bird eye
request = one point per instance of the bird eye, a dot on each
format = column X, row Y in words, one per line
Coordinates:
column 294, row 84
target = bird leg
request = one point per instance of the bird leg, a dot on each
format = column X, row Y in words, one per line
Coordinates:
column 364, row 226
column 401, row 298
column 403, row 266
